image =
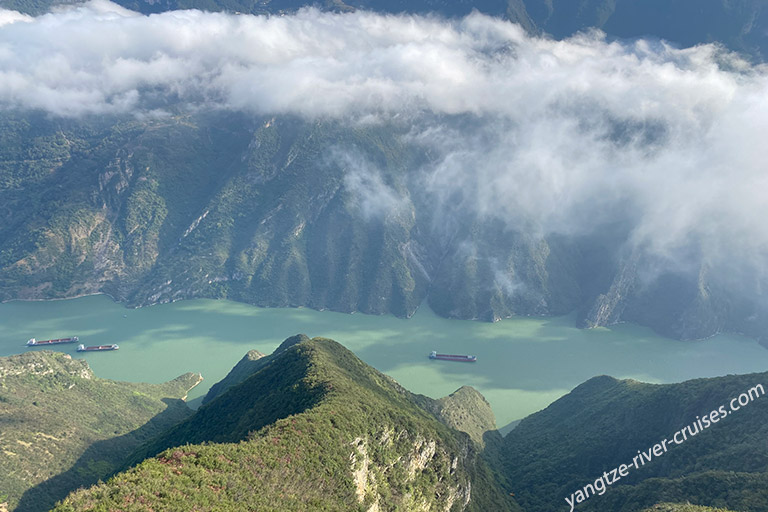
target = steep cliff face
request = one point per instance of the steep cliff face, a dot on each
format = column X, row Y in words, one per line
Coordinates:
column 94, row 203
column 372, row 476
column 330, row 215
column 694, row 303
column 284, row 214
column 608, row 307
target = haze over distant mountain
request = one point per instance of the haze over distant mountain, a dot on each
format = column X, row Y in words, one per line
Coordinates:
column 362, row 162
column 738, row 25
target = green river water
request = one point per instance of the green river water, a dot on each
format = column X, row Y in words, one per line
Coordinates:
column 523, row 364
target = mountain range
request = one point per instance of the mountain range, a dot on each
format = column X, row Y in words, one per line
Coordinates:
column 402, row 155
column 312, row 426
column 285, row 212
column 326, row 211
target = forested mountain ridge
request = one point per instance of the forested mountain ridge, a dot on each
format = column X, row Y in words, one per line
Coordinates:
column 315, row 429
column 283, row 212
column 672, row 507
column 605, row 422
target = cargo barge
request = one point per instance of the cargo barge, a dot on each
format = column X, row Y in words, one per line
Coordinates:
column 97, row 348
column 32, row 342
column 452, row 357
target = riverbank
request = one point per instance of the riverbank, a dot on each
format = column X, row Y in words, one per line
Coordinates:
column 523, row 364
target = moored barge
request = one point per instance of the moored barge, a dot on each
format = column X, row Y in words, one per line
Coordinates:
column 32, row 342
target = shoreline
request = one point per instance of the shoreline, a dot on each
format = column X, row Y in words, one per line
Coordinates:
column 515, row 353
column 201, row 379
column 80, row 296
column 423, row 305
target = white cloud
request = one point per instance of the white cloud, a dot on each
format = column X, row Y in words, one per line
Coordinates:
column 556, row 136
column 365, row 185
column 7, row 17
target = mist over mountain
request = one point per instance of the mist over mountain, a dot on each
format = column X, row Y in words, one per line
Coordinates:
column 360, row 161
column 486, row 158
column 738, row 25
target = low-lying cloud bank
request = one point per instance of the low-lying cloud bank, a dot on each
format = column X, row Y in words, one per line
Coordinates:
column 567, row 135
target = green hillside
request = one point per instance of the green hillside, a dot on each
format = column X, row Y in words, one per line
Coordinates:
column 261, row 211
column 311, row 427
column 468, row 411
column 739, row 491
column 252, row 362
column 315, row 430
column 604, row 422
column 61, row 427
column 326, row 214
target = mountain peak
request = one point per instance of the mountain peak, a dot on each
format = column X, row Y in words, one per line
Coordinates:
column 293, row 340
column 313, row 428
column 252, row 362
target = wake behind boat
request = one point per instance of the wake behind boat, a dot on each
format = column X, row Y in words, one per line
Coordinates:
column 452, row 357
column 96, row 348
column 32, row 342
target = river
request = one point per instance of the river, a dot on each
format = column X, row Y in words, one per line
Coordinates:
column 523, row 364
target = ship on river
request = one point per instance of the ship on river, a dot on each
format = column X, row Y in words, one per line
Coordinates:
column 32, row 342
column 452, row 357
column 97, row 348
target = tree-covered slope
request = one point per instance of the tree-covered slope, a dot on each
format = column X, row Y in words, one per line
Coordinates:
column 248, row 365
column 316, row 429
column 726, row 490
column 326, row 214
column 605, row 423
column 89, row 206
column 61, row 427
column 272, row 212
